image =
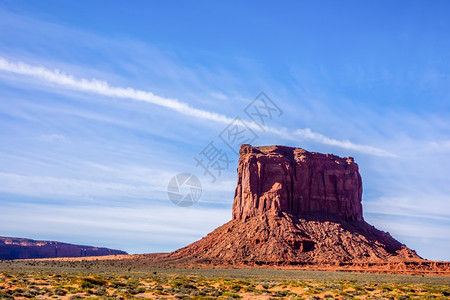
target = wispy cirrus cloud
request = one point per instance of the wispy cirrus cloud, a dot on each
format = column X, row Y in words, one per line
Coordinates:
column 103, row 88
column 320, row 138
column 414, row 205
column 49, row 186
column 52, row 137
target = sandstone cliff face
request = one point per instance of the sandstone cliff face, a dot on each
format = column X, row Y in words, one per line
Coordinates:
column 293, row 180
column 20, row 248
column 294, row 207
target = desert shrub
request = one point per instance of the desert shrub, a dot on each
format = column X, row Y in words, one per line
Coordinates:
column 198, row 293
column 249, row 289
column 44, row 291
column 280, row 293
column 243, row 282
column 30, row 293
column 209, row 289
column 236, row 287
column 216, row 293
column 311, row 291
column 5, row 296
column 95, row 280
column 118, row 284
column 161, row 292
column 18, row 292
column 387, row 288
column 189, row 286
column 131, row 291
column 60, row 292
column 90, row 282
column 100, row 291
column 86, row 285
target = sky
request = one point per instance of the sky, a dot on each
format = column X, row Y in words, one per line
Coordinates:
column 102, row 103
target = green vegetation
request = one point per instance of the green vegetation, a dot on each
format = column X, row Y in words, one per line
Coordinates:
column 68, row 280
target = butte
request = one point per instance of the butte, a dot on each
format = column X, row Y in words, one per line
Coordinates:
column 298, row 208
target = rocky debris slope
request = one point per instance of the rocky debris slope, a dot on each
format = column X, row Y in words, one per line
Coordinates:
column 294, row 207
column 20, row 248
column 283, row 239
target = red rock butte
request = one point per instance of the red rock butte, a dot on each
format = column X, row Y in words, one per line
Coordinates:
column 296, row 181
column 298, row 208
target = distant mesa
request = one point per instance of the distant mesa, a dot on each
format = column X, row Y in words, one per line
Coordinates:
column 21, row 248
column 295, row 208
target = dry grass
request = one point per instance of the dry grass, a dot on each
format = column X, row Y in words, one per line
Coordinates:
column 59, row 279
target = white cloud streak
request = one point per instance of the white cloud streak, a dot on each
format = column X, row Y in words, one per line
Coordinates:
column 100, row 87
column 320, row 138
column 103, row 88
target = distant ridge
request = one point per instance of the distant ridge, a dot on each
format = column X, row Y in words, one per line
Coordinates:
column 22, row 248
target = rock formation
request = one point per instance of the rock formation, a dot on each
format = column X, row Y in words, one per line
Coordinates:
column 294, row 207
column 296, row 181
column 20, row 248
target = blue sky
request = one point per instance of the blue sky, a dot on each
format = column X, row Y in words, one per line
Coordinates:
column 103, row 102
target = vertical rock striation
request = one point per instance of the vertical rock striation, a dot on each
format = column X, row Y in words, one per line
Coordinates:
column 293, row 180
